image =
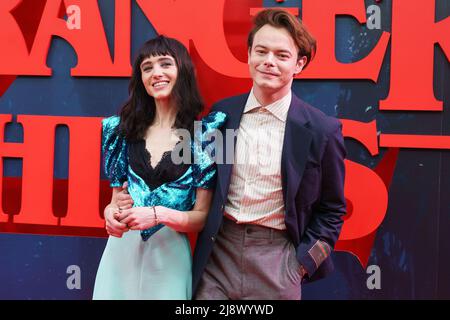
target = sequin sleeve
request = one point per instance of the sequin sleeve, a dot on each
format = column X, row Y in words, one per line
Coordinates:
column 205, row 148
column 114, row 150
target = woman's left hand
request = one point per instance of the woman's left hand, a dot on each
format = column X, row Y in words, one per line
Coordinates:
column 137, row 218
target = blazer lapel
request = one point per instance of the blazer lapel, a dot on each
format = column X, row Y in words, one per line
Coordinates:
column 234, row 113
column 296, row 144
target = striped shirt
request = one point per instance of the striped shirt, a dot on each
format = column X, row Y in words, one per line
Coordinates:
column 255, row 195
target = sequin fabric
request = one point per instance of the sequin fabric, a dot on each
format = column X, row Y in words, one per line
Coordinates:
column 178, row 194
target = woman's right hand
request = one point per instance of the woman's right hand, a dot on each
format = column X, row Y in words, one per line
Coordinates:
column 113, row 226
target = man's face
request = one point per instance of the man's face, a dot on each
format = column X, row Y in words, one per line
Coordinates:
column 273, row 60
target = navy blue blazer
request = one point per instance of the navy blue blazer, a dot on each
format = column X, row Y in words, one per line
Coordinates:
column 312, row 169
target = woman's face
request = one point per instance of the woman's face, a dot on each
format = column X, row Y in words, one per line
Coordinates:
column 159, row 74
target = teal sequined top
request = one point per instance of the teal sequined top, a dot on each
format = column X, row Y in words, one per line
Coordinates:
column 178, row 194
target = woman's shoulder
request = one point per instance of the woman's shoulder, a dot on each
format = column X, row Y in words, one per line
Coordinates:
column 110, row 122
column 214, row 120
column 111, row 136
column 110, row 128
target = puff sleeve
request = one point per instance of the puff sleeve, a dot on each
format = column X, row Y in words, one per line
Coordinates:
column 114, row 150
column 204, row 149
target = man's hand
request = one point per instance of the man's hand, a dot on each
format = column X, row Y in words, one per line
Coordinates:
column 114, row 227
column 124, row 200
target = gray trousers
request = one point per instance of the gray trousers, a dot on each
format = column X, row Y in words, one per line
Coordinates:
column 251, row 262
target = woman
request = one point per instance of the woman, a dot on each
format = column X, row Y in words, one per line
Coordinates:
column 147, row 255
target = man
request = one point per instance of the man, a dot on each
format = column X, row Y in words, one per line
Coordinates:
column 276, row 212
column 273, row 223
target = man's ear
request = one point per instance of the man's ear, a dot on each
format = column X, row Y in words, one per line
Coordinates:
column 300, row 65
column 248, row 55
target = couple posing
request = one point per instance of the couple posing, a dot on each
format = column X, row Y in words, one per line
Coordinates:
column 262, row 232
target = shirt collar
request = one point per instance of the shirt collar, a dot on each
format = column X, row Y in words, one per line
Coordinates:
column 278, row 108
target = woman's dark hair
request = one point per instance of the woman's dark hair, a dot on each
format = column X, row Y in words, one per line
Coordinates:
column 138, row 113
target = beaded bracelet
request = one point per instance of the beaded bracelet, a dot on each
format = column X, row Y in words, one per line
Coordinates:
column 154, row 213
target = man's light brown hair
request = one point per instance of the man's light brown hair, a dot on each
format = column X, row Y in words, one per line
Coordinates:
column 278, row 18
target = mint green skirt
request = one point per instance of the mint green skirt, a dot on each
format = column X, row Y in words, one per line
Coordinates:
column 159, row 268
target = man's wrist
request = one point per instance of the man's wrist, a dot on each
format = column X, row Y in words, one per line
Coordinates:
column 303, row 271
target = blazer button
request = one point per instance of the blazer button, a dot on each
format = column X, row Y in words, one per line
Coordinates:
column 213, row 239
column 222, row 208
